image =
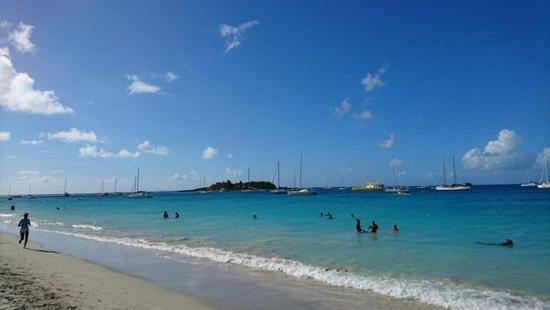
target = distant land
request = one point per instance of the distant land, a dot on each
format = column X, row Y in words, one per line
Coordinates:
column 229, row 186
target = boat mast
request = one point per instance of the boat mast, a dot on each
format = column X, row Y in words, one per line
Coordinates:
column 278, row 174
column 115, row 187
column 248, row 176
column 444, row 173
column 65, row 186
column 454, row 170
column 102, row 183
column 137, row 181
column 366, row 171
column 300, row 170
column 393, row 171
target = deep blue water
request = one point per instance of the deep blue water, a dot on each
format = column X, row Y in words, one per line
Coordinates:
column 433, row 258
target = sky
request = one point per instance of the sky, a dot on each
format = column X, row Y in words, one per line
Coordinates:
column 193, row 90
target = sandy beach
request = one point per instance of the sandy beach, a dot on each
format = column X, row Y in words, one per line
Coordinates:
column 35, row 278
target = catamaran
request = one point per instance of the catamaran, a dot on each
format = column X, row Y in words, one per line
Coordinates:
column 545, row 184
column 301, row 191
column 137, row 193
column 278, row 190
column 369, row 186
column 455, row 186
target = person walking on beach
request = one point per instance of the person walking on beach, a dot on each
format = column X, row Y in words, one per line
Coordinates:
column 373, row 228
column 24, row 223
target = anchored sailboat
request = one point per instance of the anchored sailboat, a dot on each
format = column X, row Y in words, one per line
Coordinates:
column 369, row 186
column 528, row 182
column 455, row 186
column 395, row 188
column 137, row 193
column 279, row 190
column 301, row 191
column 545, row 184
column 65, row 193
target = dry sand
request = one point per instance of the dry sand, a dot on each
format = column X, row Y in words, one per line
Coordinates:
column 35, row 278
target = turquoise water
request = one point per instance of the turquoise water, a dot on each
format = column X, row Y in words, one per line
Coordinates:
column 432, row 259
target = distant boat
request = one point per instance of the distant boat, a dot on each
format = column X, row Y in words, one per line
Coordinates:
column 545, row 184
column 396, row 188
column 423, row 187
column 278, row 190
column 369, row 186
column 528, row 182
column 455, row 186
column 9, row 193
column 301, row 191
column 30, row 196
column 137, row 194
column 65, row 193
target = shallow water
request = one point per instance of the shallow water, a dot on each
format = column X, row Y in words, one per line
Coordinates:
column 432, row 259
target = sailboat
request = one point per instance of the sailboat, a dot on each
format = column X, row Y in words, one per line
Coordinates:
column 9, row 193
column 65, row 193
column 248, row 188
column 455, row 186
column 278, row 190
column 545, row 184
column 369, row 186
column 137, row 193
column 528, row 182
column 301, row 191
column 397, row 189
column 30, row 196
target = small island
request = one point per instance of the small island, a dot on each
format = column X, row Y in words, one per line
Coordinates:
column 229, row 186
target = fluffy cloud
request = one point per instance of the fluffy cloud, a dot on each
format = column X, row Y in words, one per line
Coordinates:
column 95, row 152
column 5, row 136
column 232, row 173
column 543, row 156
column 364, row 115
column 147, row 147
column 497, row 154
column 17, row 92
column 170, row 76
column 137, row 86
column 373, row 80
column 342, row 109
column 176, row 177
column 74, row 135
column 209, row 153
column 20, row 38
column 229, row 155
column 386, row 144
column 31, row 142
column 32, row 176
column 235, row 34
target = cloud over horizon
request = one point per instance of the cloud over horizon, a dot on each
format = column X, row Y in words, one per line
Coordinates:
column 73, row 135
column 386, row 144
column 373, row 81
column 209, row 153
column 137, row 86
column 235, row 34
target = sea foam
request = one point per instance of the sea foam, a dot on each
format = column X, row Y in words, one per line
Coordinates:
column 449, row 295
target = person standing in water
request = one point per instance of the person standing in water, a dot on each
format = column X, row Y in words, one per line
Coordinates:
column 24, row 223
column 395, row 228
column 165, row 214
column 177, row 215
column 373, row 228
column 358, row 227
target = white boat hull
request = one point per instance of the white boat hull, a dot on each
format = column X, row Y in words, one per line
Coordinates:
column 452, row 188
column 302, row 192
column 544, row 186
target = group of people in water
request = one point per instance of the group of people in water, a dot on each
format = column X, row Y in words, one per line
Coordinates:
column 373, row 227
column 165, row 215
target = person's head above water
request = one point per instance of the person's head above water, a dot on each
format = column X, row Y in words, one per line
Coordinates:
column 26, row 215
column 508, row 242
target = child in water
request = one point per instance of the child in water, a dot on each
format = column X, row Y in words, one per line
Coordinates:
column 24, row 223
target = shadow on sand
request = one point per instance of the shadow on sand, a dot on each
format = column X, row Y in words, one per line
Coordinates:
column 43, row 251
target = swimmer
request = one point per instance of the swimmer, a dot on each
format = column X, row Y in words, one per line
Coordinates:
column 322, row 214
column 12, row 207
column 165, row 214
column 373, row 228
column 358, row 227
column 395, row 229
column 177, row 215
column 506, row 243
column 330, row 217
column 254, row 217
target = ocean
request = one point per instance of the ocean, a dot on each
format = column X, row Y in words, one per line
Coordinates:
column 434, row 258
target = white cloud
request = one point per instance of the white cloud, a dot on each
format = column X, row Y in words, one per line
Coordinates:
column 33, row 176
column 170, row 76
column 232, row 173
column 342, row 109
column 147, row 147
column 543, row 156
column 497, row 154
column 20, row 38
column 17, row 92
column 209, row 153
column 12, row 156
column 178, row 177
column 5, row 136
column 373, row 80
column 235, row 35
column 364, row 115
column 31, row 142
column 95, row 152
column 74, row 135
column 230, row 155
column 394, row 162
column 386, row 144
column 137, row 86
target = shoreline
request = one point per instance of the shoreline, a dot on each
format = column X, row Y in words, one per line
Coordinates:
column 39, row 278
column 224, row 286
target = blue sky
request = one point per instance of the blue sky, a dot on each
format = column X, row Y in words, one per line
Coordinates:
column 183, row 89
